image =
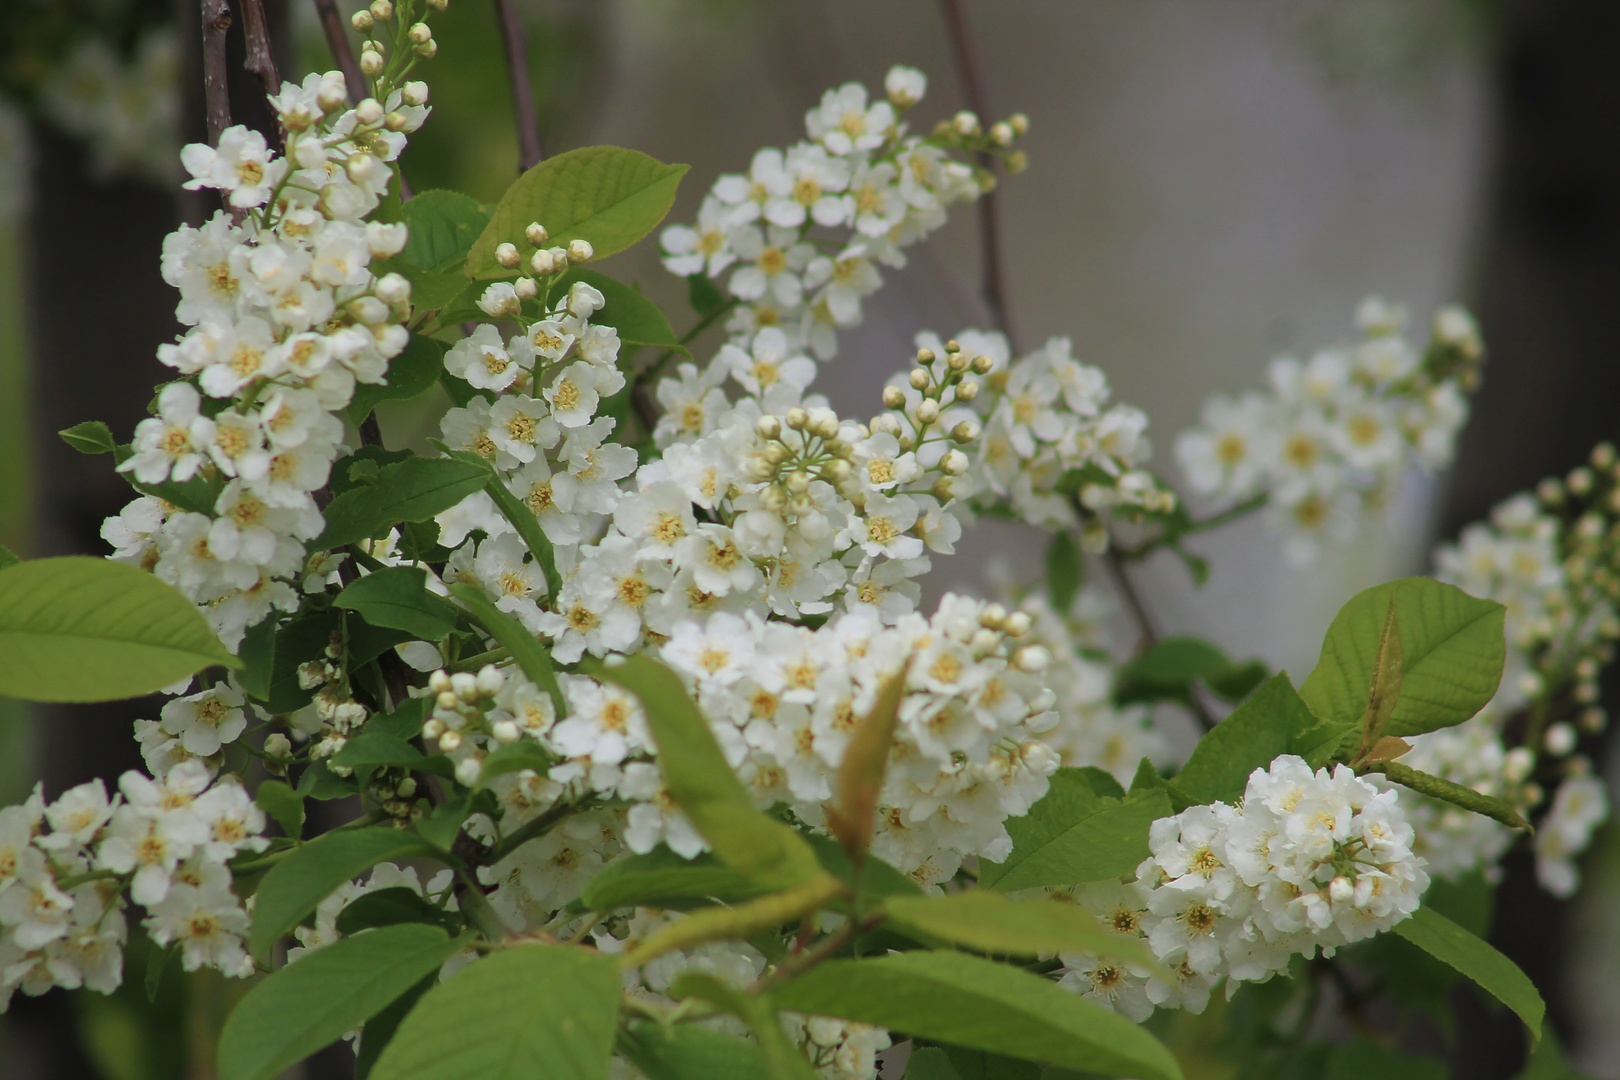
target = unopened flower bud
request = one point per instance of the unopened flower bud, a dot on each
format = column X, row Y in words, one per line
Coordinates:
column 311, row 675
column 419, row 33
column 954, row 463
column 965, row 432
column 927, row 411
column 490, row 679
column 769, row 427
column 468, row 770
column 447, row 700
column 362, row 21
column 450, row 741
column 277, row 745
column 1019, row 123
column 428, row 51
column 925, row 357
column 439, row 5
column 439, row 681
column 919, row 379
column 823, row 423
column 1032, row 659
column 580, row 251
column 369, row 112
column 333, row 92
column 965, row 123
column 526, row 288
column 507, row 732
column 1559, row 740
column 396, row 121
column 1001, row 133
column 984, row 641
column 943, row 489
column 967, row 390
column 414, row 93
column 382, row 9
column 992, row 616
column 507, row 255
column 894, row 397
column 433, row 728
column 983, row 364
column 536, row 234
column 542, row 263
column 371, row 63
column 1017, row 624
column 465, row 685
column 797, row 418
column 1016, row 162
column 1341, row 889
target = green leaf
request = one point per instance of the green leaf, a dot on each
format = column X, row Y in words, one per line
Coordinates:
column 90, row 437
column 931, row 1063
column 1065, row 570
column 688, row 1052
column 1478, row 960
column 663, row 879
column 1167, row 672
column 783, row 1061
column 607, row 195
column 285, row 806
column 1272, row 722
column 296, row 884
column 977, row 1003
column 702, row 783
column 515, row 758
column 443, row 227
column 1073, row 835
column 394, row 906
column 1549, row 1061
column 704, row 295
column 441, row 827
column 398, row 597
column 978, row 1065
column 528, row 1010
column 410, row 373
column 532, row 657
column 82, row 629
column 374, row 749
column 412, row 490
column 298, row 641
column 638, row 320
column 1453, row 650
column 1363, row 1059
column 310, row 1004
column 878, row 878
column 258, row 655
column 522, row 518
column 989, row 922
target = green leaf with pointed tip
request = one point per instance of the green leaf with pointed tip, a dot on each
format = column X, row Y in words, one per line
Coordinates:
column 82, row 629
column 411, row 490
column 1272, row 722
column 607, row 195
column 663, row 879
column 976, row 1003
column 1073, row 835
column 702, row 783
column 443, row 227
column 397, row 597
column 90, row 437
column 1452, row 649
column 297, row 884
column 990, row 922
column 528, row 1010
column 688, row 1052
column 1479, row 961
column 310, row 1004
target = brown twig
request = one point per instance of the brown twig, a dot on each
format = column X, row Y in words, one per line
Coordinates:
column 967, row 69
column 516, row 40
column 261, row 58
column 216, row 20
column 337, row 39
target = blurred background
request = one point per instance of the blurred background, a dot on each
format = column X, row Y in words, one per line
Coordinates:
column 1210, row 185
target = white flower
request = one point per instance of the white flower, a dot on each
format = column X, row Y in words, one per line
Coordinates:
column 844, row 122
column 206, row 920
column 171, row 445
column 75, row 817
column 482, row 360
column 242, row 166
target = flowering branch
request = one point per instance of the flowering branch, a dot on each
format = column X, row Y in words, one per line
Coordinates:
column 967, row 69
column 516, row 42
column 216, row 20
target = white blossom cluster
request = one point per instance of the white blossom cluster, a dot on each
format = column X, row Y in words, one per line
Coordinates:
column 1331, row 436
column 65, row 867
column 1054, row 449
column 1307, row 861
column 803, row 232
column 125, row 110
column 1550, row 560
column 285, row 317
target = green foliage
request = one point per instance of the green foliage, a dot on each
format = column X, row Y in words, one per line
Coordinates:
column 1168, row 670
column 1274, row 721
column 397, row 597
column 702, row 783
column 1452, row 656
column 521, row 517
column 930, row 1063
column 82, row 629
column 414, row 371
column 782, row 1059
column 309, row 1004
column 411, row 490
column 1065, row 571
column 1479, row 961
column 396, row 905
column 299, row 882
column 1074, row 835
column 607, row 195
column 90, row 437
column 977, row 1003
column 1363, row 1059
column 515, row 758
column 510, row 1011
column 688, row 1052
column 532, row 657
column 989, row 922
column 443, row 226
column 663, row 879
column 285, row 807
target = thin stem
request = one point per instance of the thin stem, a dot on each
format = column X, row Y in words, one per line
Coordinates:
column 261, row 58
column 993, row 285
column 516, row 40
column 337, row 39
column 216, row 21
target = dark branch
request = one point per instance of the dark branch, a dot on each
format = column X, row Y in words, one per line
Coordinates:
column 261, row 58
column 967, row 69
column 216, row 20
column 337, row 39
column 516, row 40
